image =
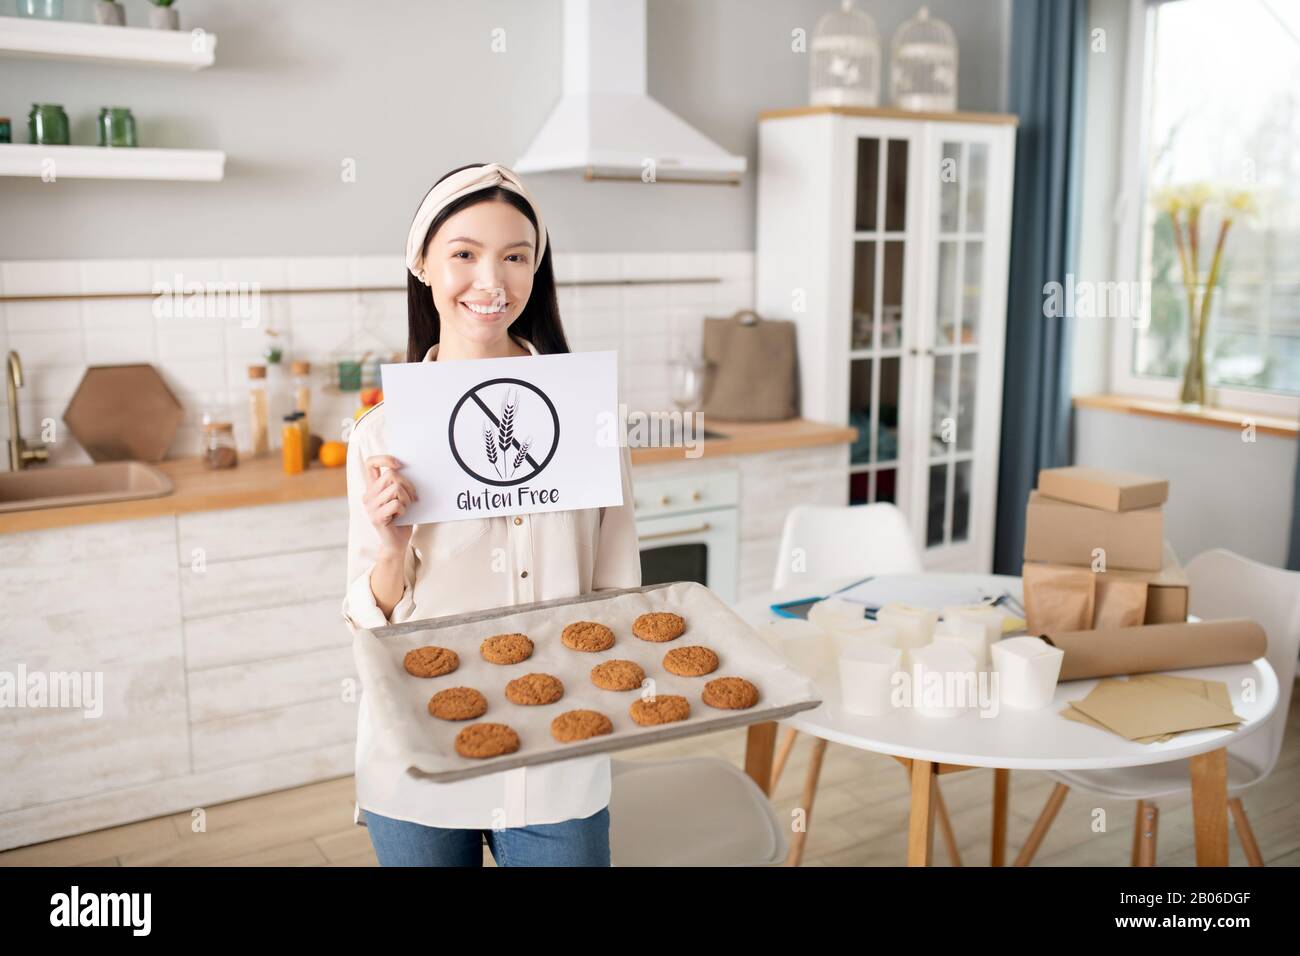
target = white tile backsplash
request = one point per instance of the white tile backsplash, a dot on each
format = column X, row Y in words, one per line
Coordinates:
column 56, row 316
column 121, row 346
column 322, row 272
column 39, row 349
column 267, row 273
column 113, row 314
column 115, row 275
column 37, row 277
column 170, row 272
column 205, row 359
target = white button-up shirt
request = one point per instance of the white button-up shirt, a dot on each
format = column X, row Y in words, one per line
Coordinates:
column 459, row 566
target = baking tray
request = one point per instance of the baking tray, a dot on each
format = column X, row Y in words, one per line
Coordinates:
column 399, row 702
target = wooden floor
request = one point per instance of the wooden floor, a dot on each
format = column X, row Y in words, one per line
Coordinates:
column 859, row 819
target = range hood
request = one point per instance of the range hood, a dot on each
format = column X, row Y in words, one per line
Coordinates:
column 605, row 126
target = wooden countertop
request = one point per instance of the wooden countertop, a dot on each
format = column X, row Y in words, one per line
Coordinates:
column 261, row 481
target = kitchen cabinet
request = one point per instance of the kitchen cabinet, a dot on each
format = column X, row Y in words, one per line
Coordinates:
column 96, row 600
column 224, row 658
column 885, row 237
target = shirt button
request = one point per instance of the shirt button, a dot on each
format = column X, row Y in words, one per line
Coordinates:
column 519, row 521
column 523, row 574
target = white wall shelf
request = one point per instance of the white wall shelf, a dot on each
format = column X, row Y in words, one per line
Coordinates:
column 100, row 162
column 93, row 43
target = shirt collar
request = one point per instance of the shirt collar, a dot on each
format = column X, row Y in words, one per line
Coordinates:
column 432, row 354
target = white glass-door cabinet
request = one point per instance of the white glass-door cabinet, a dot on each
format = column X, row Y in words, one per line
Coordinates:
column 884, row 236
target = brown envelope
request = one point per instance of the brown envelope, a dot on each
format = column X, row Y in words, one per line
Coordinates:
column 1147, row 708
column 1216, row 691
column 1069, row 713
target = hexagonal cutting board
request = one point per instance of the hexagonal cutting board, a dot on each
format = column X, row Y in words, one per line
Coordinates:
column 123, row 412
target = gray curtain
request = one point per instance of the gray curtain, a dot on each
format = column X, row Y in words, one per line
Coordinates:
column 1047, row 50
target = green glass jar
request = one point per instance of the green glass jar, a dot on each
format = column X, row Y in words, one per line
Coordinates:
column 6, row 132
column 116, row 127
column 349, row 375
column 47, row 125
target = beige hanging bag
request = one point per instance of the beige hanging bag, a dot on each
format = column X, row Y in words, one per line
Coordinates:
column 752, row 369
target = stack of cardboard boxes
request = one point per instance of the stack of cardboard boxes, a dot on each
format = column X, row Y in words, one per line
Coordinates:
column 1095, row 553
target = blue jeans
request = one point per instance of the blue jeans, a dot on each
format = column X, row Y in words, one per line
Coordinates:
column 583, row 842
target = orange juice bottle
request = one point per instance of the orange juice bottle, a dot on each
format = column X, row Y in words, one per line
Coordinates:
column 291, row 446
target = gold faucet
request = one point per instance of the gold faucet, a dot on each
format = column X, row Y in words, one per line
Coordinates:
column 21, row 453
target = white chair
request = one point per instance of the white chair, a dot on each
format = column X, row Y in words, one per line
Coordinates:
column 692, row 811
column 827, row 542
column 821, row 541
column 1222, row 585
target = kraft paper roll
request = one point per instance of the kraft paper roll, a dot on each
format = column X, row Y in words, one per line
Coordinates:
column 1107, row 652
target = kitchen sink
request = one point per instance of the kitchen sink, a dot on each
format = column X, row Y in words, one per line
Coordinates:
column 42, row 487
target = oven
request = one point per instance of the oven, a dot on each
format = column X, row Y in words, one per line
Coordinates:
column 688, row 527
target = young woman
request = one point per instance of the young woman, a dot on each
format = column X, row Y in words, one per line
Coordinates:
column 480, row 285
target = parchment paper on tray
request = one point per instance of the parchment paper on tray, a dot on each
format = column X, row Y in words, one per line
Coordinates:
column 399, row 702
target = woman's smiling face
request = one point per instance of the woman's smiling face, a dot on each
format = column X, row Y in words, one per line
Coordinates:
column 479, row 265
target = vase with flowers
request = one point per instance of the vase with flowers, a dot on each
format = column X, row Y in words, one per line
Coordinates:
column 1187, row 207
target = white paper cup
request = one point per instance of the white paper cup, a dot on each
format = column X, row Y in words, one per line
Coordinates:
column 873, row 635
column 804, row 645
column 778, row 629
column 945, row 680
column 915, row 625
column 965, row 633
column 990, row 618
column 866, row 678
column 836, row 614
column 1028, row 668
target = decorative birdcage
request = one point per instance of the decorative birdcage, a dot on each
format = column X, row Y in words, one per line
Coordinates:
column 923, row 65
column 845, row 68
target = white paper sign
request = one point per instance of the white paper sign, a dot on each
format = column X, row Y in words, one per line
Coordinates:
column 485, row 437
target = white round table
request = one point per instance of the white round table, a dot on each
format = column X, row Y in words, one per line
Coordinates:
column 1009, row 739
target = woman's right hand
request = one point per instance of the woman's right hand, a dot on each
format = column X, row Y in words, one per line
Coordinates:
column 386, row 498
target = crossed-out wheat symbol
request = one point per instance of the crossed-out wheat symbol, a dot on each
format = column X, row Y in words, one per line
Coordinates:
column 498, row 445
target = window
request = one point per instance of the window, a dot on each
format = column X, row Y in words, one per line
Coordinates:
column 1219, row 103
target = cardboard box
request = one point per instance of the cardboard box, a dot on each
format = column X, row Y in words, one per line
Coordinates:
column 1167, row 592
column 1167, row 589
column 1107, row 490
column 1062, row 533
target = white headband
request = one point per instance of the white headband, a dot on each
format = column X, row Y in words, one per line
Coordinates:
column 452, row 188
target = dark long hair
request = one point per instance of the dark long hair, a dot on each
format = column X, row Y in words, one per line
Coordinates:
column 539, row 322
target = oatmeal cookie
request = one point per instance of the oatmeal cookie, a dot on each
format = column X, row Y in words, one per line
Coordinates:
column 659, row 626
column 430, row 661
column 486, row 740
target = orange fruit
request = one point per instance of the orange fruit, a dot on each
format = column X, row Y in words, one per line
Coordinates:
column 333, row 454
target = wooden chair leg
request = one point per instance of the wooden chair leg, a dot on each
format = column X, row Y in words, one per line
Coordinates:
column 1042, row 824
column 800, row 837
column 1209, row 775
column 1149, row 824
column 782, row 755
column 1137, row 833
column 1244, row 832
